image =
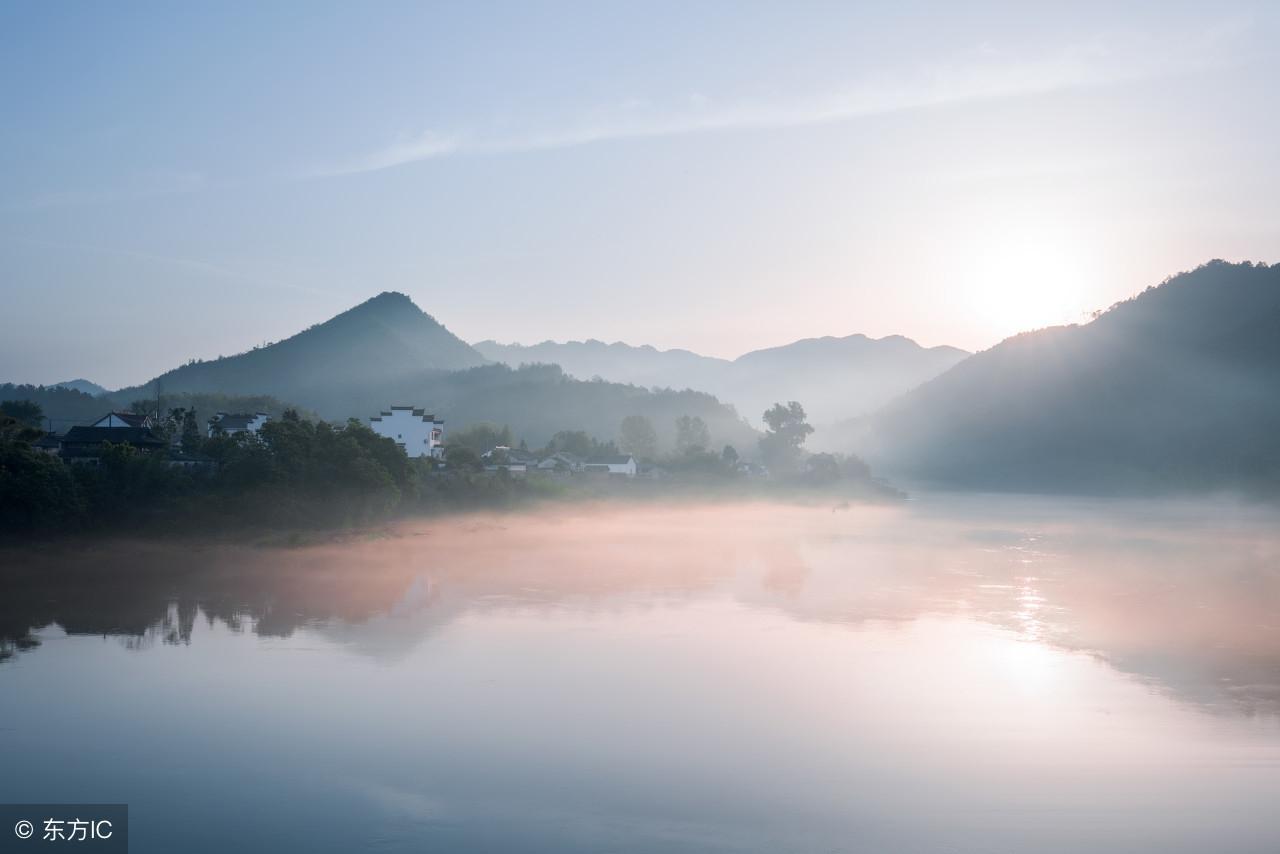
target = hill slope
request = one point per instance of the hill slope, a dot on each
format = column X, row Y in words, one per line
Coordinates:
column 1175, row 389
column 387, row 336
column 82, row 385
column 833, row 377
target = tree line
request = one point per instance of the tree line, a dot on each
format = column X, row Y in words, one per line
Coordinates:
column 296, row 472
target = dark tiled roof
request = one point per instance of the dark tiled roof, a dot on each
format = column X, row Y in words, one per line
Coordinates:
column 617, row 460
column 236, row 421
column 137, row 436
column 417, row 413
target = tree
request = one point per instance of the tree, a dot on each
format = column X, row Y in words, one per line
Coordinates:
column 191, row 438
column 575, row 442
column 822, row 469
column 691, row 434
column 37, row 491
column 461, row 457
column 636, row 436
column 854, row 467
column 481, row 437
column 27, row 411
column 781, row 445
column 729, row 455
column 13, row 430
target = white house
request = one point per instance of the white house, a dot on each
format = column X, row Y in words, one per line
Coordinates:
column 420, row 434
column 228, row 424
column 623, row 465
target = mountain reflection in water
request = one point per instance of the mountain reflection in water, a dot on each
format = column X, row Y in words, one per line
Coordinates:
column 1188, row 601
column 947, row 675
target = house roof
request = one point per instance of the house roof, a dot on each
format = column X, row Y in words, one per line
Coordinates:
column 235, row 421
column 613, row 460
column 563, row 456
column 415, row 411
column 48, row 440
column 133, row 419
column 140, row 437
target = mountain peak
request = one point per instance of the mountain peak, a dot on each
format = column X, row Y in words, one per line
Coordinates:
column 387, row 301
column 390, row 297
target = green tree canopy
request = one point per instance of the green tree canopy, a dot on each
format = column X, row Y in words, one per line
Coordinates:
column 636, row 436
column 480, row 437
column 781, row 445
column 691, row 434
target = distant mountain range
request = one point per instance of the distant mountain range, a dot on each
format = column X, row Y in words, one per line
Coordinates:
column 82, row 386
column 1175, row 389
column 388, row 351
column 833, row 378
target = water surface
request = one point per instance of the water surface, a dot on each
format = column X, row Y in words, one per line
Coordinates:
column 948, row 676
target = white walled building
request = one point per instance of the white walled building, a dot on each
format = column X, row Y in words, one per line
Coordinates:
column 227, row 424
column 413, row 429
column 622, row 465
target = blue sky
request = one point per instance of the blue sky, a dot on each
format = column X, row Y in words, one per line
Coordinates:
column 184, row 182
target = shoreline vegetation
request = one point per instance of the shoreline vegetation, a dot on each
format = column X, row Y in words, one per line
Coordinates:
column 298, row 479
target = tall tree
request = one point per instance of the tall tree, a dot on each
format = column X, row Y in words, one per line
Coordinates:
column 691, row 434
column 781, row 445
column 636, row 436
column 191, row 438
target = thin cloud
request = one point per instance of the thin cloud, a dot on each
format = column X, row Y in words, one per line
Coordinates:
column 987, row 75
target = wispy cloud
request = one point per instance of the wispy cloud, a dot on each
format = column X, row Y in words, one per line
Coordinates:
column 986, row 74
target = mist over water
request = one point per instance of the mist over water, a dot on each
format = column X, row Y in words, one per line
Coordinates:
column 952, row 674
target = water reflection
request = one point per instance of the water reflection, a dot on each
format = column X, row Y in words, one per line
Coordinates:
column 1186, row 600
column 947, row 676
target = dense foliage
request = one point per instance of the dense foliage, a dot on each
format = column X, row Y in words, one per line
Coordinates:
column 294, row 474
column 301, row 473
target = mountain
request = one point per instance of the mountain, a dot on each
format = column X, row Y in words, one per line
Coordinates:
column 1175, row 389
column 618, row 362
column 62, row 407
column 834, row 378
column 388, row 351
column 387, row 336
column 82, row 386
column 837, row 377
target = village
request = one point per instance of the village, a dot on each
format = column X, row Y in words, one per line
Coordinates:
column 156, row 468
column 419, row 434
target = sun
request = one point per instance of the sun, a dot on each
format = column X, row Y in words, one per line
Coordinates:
column 1017, row 276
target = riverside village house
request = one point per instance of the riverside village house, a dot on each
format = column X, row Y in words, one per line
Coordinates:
column 229, row 424
column 419, row 434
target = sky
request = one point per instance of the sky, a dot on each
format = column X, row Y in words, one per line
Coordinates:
column 183, row 181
